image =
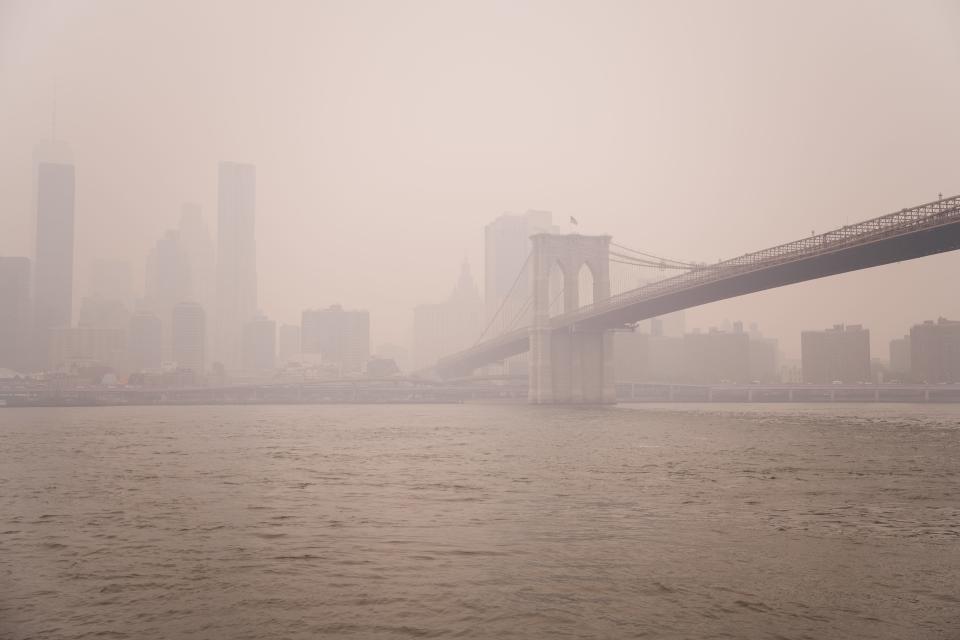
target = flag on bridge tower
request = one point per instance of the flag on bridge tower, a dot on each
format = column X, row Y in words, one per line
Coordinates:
column 573, row 221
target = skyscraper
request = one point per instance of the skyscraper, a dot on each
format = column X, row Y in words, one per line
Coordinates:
column 838, row 354
column 935, row 351
column 288, row 342
column 53, row 276
column 197, row 244
column 259, row 345
column 111, row 280
column 14, row 312
column 189, row 333
column 342, row 338
column 506, row 247
column 447, row 327
column 145, row 344
column 236, row 258
column 168, row 282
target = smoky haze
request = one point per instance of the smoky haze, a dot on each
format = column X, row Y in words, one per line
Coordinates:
column 387, row 135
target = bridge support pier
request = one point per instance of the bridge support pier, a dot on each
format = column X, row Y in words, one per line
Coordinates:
column 572, row 365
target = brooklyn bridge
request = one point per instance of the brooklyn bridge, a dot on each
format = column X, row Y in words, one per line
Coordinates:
column 570, row 340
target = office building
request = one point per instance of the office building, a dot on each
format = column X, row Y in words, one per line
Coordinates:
column 111, row 280
column 900, row 367
column 53, row 266
column 447, row 327
column 935, row 351
column 400, row 355
column 14, row 313
column 189, row 334
column 340, row 337
column 73, row 349
column 506, row 248
column 168, row 282
column 288, row 343
column 104, row 313
column 145, row 342
column 259, row 345
column 717, row 356
column 236, row 258
column 839, row 354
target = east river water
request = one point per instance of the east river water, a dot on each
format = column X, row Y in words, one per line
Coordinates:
column 480, row 521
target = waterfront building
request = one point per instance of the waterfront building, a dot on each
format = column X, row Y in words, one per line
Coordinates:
column 841, row 353
column 717, row 356
column 73, row 349
column 189, row 334
column 197, row 244
column 340, row 337
column 935, row 351
column 14, row 313
column 111, row 280
column 168, row 282
column 259, row 345
column 447, row 327
column 400, row 355
column 900, row 368
column 288, row 343
column 236, row 258
column 53, row 267
column 506, row 247
column 145, row 342
column 104, row 313
column 764, row 359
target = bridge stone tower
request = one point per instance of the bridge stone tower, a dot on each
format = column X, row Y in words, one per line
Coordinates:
column 569, row 365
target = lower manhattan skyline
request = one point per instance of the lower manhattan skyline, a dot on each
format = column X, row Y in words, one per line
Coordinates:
column 379, row 319
column 322, row 204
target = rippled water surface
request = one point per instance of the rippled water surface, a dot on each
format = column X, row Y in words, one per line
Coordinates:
column 478, row 521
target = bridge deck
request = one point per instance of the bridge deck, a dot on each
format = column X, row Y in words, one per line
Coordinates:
column 904, row 235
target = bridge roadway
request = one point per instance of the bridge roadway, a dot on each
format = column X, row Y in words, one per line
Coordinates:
column 921, row 231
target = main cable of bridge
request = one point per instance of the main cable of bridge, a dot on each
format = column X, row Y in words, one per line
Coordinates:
column 649, row 259
column 498, row 315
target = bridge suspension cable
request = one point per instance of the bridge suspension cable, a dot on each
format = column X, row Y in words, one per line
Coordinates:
column 649, row 259
column 498, row 315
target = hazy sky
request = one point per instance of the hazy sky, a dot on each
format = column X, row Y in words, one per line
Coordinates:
column 386, row 134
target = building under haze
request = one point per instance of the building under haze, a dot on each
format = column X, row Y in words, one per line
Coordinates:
column 900, row 368
column 841, row 353
column 447, row 327
column 340, row 337
column 167, row 282
column 236, row 259
column 73, row 349
column 717, row 356
column 104, row 313
column 288, row 343
column 145, row 342
column 197, row 244
column 259, row 345
column 506, row 246
column 111, row 280
column 189, row 337
column 53, row 266
column 14, row 313
column 395, row 352
column 935, row 351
